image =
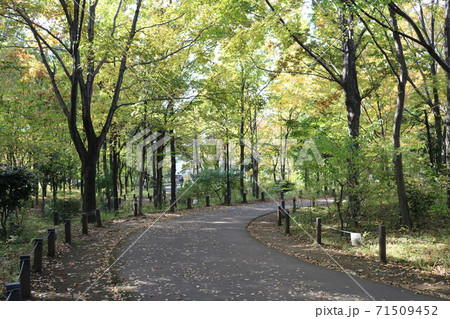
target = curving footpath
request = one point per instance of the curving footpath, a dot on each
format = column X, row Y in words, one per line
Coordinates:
column 211, row 256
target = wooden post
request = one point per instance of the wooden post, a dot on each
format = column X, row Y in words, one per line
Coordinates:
column 283, row 204
column 51, row 240
column 98, row 218
column 189, row 203
column 37, row 258
column 68, row 231
column 124, row 198
column 287, row 229
column 279, row 216
column 382, row 243
column 55, row 218
column 84, row 223
column 294, row 208
column 244, row 198
column 135, row 208
column 13, row 292
column 263, row 196
column 319, row 230
column 25, row 277
column 207, row 201
column 282, row 195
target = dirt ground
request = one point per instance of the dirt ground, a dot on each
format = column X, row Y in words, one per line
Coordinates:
column 265, row 229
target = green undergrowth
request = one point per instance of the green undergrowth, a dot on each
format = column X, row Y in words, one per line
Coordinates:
column 421, row 248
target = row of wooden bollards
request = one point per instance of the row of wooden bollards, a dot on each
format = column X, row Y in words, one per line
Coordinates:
column 21, row 290
column 189, row 202
column 283, row 213
column 381, row 239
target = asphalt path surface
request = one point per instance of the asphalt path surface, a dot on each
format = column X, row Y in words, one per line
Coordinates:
column 211, row 256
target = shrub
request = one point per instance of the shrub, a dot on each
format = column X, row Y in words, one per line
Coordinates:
column 285, row 186
column 16, row 185
column 419, row 202
column 68, row 208
column 211, row 182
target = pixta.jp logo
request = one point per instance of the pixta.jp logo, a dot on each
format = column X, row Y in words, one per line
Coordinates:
column 143, row 147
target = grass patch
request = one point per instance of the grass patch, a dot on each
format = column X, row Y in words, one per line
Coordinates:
column 425, row 249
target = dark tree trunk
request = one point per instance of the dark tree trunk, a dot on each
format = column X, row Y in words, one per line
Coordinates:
column 437, row 120
column 242, row 158
column 353, row 106
column 107, row 175
column 114, row 163
column 447, row 113
column 142, row 174
column 120, row 166
column 241, row 137
column 89, row 178
column 255, row 167
column 429, row 139
column 402, row 78
column 173, row 168
column 154, row 177
column 227, row 168
column 127, row 181
column 54, row 189
column 44, row 194
column 159, row 198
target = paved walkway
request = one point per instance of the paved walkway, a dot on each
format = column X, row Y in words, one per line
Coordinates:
column 211, row 256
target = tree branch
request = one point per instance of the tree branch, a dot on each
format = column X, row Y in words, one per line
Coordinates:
column 325, row 65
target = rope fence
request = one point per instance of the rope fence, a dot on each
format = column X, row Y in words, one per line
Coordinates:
column 356, row 240
column 21, row 289
column 337, row 229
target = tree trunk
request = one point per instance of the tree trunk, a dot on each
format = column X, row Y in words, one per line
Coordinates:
column 437, row 151
column 141, row 181
column 242, row 158
column 353, row 107
column 447, row 113
column 89, row 178
column 114, row 163
column 159, row 198
column 429, row 139
column 227, row 167
column 402, row 78
column 241, row 138
column 107, row 176
column 44, row 194
column 54, row 189
column 173, row 168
